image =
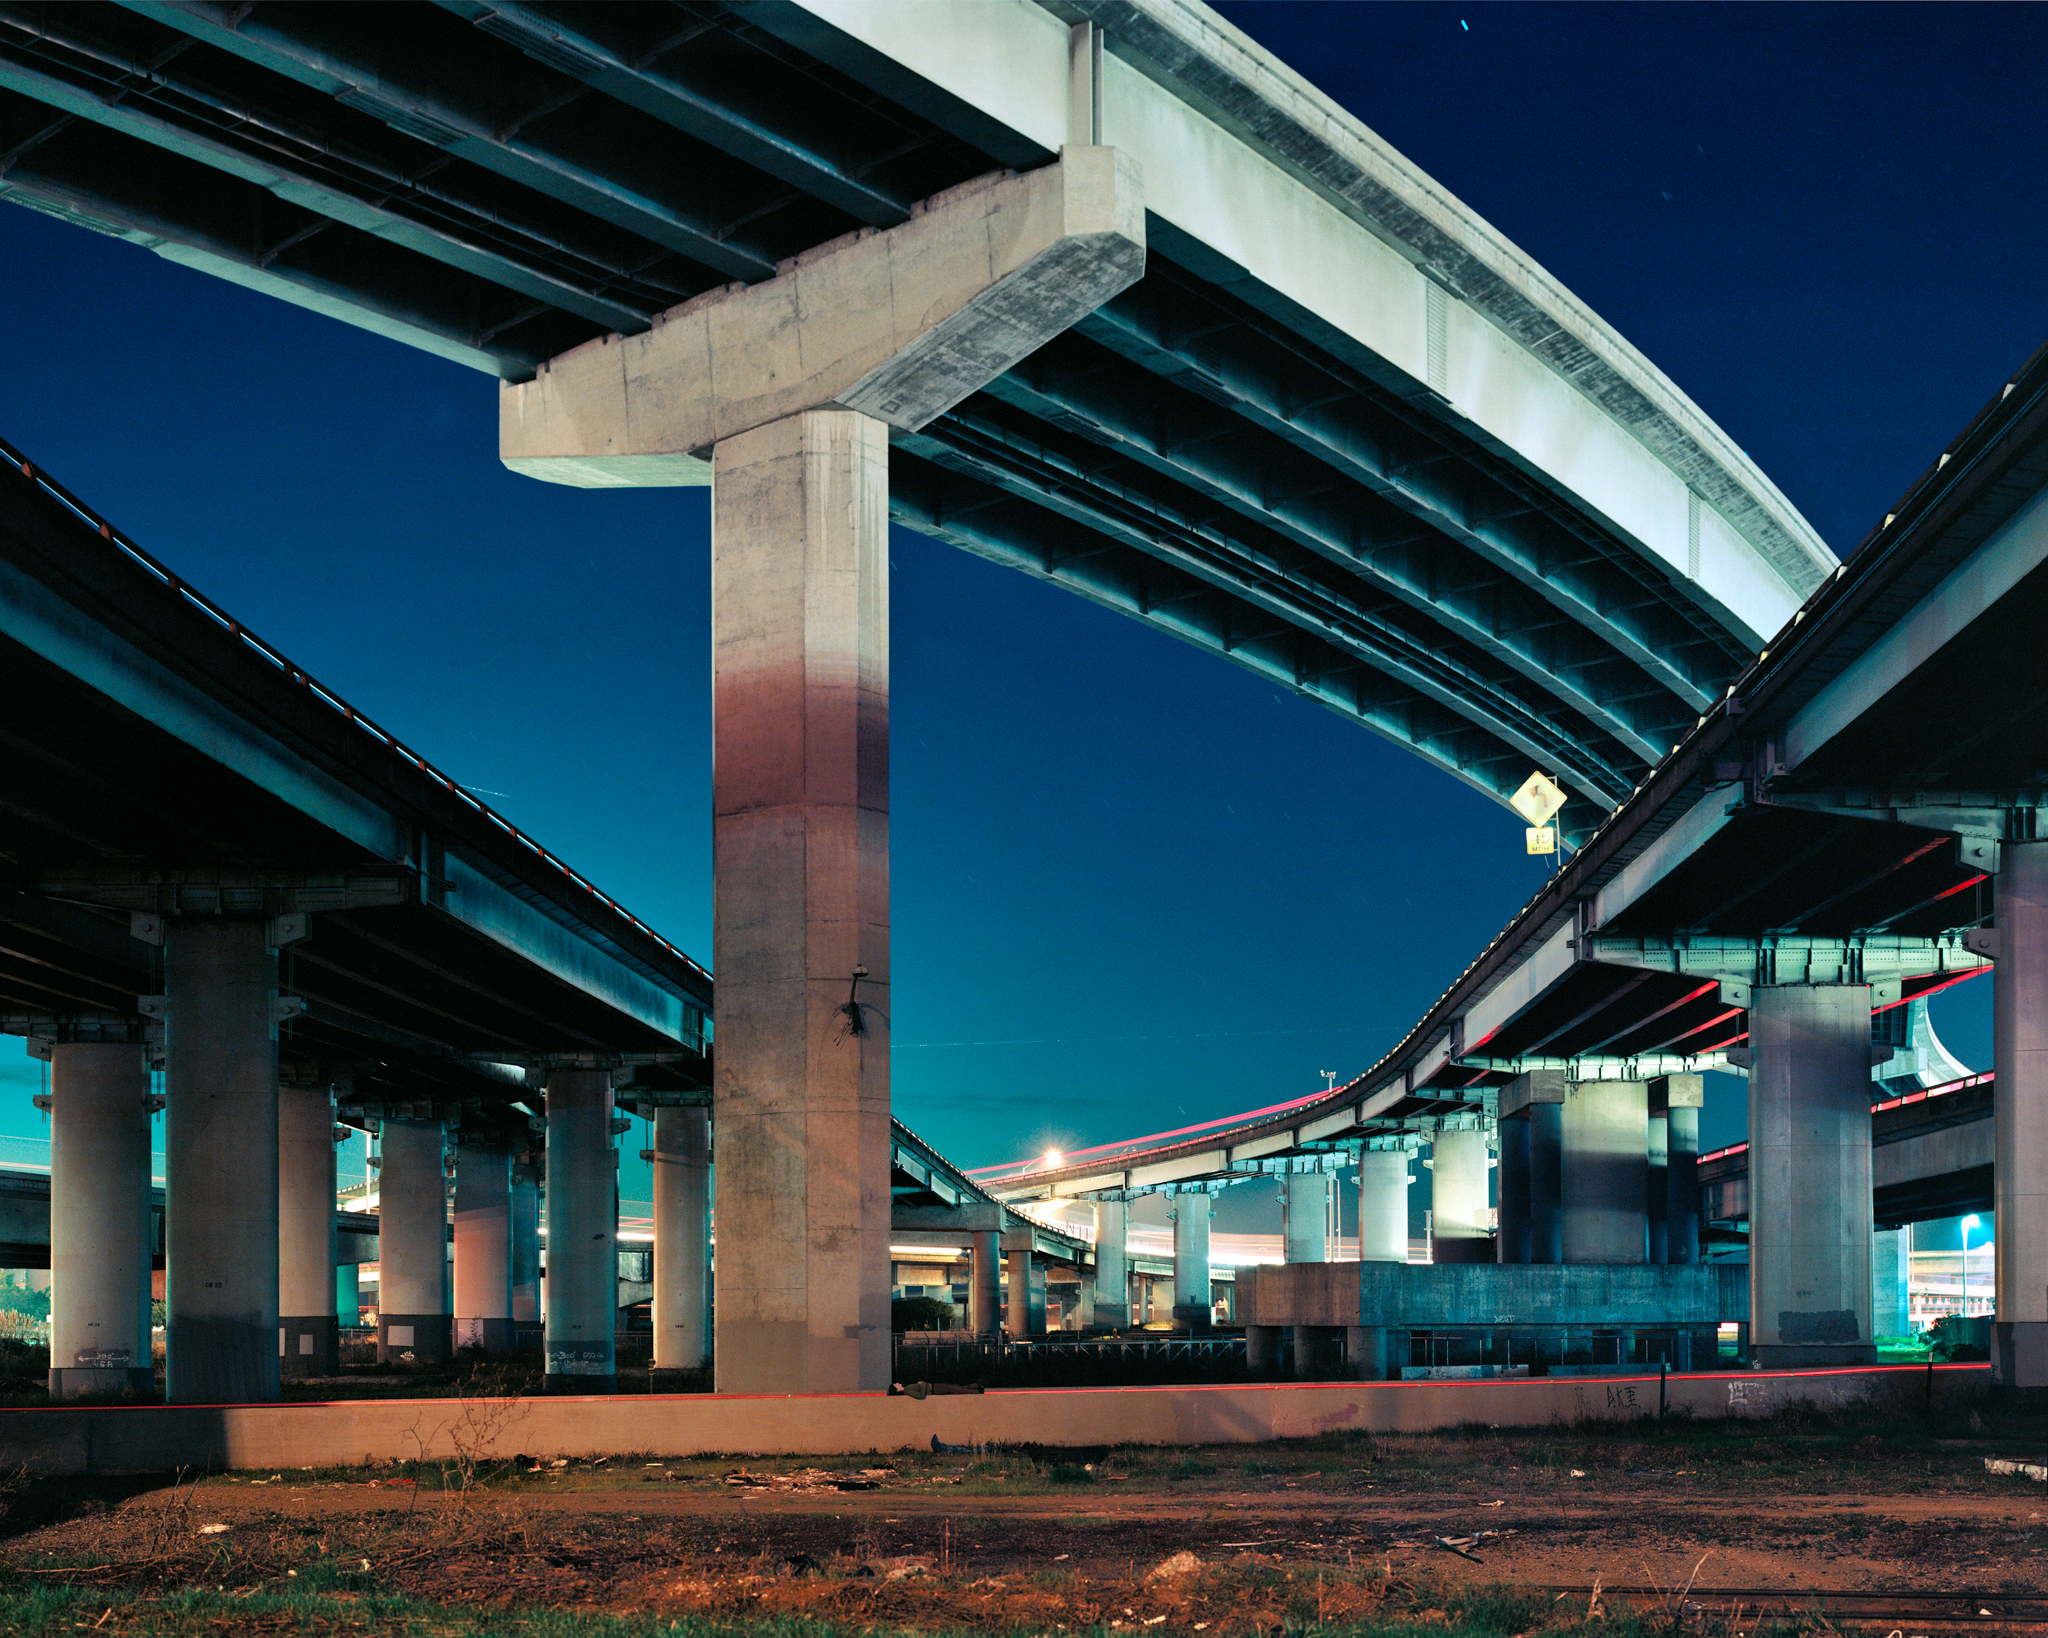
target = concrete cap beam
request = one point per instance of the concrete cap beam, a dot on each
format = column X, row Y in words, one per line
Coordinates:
column 900, row 325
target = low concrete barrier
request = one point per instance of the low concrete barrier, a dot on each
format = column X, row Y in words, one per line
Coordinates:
column 159, row 1438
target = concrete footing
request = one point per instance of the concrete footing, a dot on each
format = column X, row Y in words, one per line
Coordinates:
column 100, row 1240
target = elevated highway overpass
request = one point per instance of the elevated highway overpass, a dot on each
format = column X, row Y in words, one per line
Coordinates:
column 1853, row 826
column 1098, row 290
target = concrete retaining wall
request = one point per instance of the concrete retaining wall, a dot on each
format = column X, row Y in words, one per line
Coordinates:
column 155, row 1438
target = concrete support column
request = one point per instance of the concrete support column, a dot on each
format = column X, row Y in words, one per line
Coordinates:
column 1305, row 1217
column 1112, row 1266
column 1681, row 1097
column 1368, row 1353
column 1191, row 1305
column 985, row 1283
column 1891, row 1261
column 412, row 1242
column 1657, row 1183
column 1809, row 1175
column 2019, row 1353
column 1546, row 1182
column 1604, row 1172
column 1261, row 1349
column 1459, row 1165
column 682, row 1237
column 523, row 1213
column 1315, row 1352
column 99, row 1219
column 582, row 1316
column 800, row 700
column 483, row 1248
column 1383, row 1206
column 220, row 1162
column 1511, row 1245
column 1026, row 1293
column 305, row 1231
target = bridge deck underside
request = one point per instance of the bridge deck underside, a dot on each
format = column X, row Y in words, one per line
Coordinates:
column 501, row 183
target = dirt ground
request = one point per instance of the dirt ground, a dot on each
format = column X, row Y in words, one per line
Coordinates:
column 917, row 1541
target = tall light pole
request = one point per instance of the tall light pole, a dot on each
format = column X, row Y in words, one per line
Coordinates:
column 1969, row 1222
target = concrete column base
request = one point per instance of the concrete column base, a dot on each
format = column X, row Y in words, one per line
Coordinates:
column 561, row 1383
column 1780, row 1356
column 75, row 1381
column 1460, row 1249
column 1261, row 1349
column 1196, row 1318
column 309, row 1345
column 413, row 1339
column 493, row 1336
column 1315, row 1353
column 2019, row 1353
column 1366, row 1352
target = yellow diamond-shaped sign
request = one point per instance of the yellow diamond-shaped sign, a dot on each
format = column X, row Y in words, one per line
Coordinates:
column 1538, row 798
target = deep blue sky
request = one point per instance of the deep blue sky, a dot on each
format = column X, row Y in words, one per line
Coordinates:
column 1133, row 886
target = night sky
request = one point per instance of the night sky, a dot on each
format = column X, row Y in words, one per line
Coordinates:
column 1134, row 886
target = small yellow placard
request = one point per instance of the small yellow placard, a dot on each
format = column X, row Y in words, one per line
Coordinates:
column 1542, row 838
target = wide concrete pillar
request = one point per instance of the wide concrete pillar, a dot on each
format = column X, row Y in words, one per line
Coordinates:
column 412, row 1242
column 1511, row 1244
column 1305, row 1217
column 800, row 615
column 682, row 1237
column 582, row 1318
column 1459, row 1207
column 1261, row 1350
column 305, row 1231
column 483, row 1248
column 1891, row 1262
column 524, row 1214
column 1681, row 1097
column 1383, row 1206
column 1191, row 1303
column 220, row 1162
column 1809, row 1175
column 1112, row 1266
column 985, row 1284
column 1604, row 1172
column 99, row 1219
column 2019, row 1353
column 1368, row 1352
column 1026, row 1293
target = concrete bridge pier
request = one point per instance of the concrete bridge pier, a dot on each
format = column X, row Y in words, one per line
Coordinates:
column 306, row 1290
column 1305, row 1217
column 2019, row 1353
column 1809, row 1175
column 482, row 1274
column 1191, row 1277
column 1677, row 1100
column 1459, row 1198
column 1112, row 1265
column 412, row 1242
column 985, row 1283
column 1026, row 1292
column 582, row 1318
column 1383, row 1206
column 682, row 1237
column 1261, row 1350
column 523, row 1213
column 99, row 1219
column 1891, row 1262
column 812, row 370
column 220, row 1161
column 1604, row 1172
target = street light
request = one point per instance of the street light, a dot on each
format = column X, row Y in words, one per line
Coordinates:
column 1970, row 1222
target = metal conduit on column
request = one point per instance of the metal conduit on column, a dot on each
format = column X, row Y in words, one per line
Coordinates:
column 100, row 1241
column 413, row 1325
column 1809, row 1175
column 681, row 1158
column 305, row 1231
column 581, row 1342
column 220, row 1162
column 482, row 1273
